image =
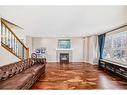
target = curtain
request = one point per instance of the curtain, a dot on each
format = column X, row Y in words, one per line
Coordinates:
column 91, row 49
column 101, row 42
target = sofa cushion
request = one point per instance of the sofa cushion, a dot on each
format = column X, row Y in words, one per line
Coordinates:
column 4, row 75
column 34, row 69
column 16, row 69
column 1, row 74
column 32, row 62
column 16, row 82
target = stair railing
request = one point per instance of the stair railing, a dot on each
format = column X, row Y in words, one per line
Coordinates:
column 12, row 43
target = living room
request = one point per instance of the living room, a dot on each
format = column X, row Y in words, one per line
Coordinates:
column 77, row 47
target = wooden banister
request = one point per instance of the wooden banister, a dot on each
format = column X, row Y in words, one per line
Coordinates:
column 12, row 43
column 27, row 53
column 13, row 33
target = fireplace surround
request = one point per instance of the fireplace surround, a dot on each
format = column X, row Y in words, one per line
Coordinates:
column 64, row 51
column 64, row 57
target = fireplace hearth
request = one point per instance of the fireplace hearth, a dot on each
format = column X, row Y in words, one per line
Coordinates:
column 64, row 57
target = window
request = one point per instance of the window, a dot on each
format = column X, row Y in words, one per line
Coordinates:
column 64, row 43
column 115, row 48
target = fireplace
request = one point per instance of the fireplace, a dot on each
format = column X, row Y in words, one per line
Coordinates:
column 64, row 57
column 61, row 52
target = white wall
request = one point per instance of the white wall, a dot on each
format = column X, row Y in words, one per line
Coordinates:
column 6, row 57
column 51, row 45
column 77, row 45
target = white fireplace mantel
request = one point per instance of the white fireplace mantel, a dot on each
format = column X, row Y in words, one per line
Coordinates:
column 58, row 51
column 64, row 49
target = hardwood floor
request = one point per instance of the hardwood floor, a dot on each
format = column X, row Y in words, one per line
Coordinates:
column 77, row 76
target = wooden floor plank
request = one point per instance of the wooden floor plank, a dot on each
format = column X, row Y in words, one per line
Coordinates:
column 77, row 76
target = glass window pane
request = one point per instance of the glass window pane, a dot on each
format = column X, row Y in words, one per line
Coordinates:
column 115, row 47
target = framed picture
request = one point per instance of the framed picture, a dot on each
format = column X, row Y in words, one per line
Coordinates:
column 40, row 50
column 64, row 43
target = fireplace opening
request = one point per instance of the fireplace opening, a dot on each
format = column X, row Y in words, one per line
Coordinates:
column 64, row 57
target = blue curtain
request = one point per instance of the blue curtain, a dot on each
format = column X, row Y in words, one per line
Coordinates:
column 101, row 41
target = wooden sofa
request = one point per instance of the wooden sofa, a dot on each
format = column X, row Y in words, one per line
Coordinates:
column 21, row 75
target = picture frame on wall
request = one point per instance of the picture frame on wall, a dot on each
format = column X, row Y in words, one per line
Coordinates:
column 41, row 52
column 64, row 43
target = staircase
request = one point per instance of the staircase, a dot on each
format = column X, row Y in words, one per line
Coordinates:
column 12, row 43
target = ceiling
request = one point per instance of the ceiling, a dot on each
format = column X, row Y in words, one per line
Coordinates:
column 65, row 21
